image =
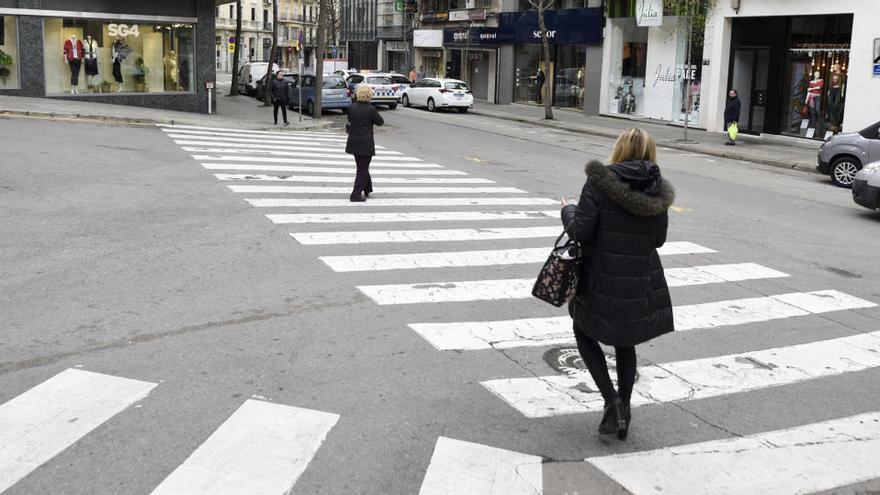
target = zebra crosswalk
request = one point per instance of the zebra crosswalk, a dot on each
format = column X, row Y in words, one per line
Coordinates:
column 463, row 218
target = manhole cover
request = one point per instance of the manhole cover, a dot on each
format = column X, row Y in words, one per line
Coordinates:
column 568, row 360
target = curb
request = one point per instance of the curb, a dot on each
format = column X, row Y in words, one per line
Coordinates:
column 799, row 166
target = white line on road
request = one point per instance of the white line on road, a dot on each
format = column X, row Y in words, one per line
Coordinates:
column 389, row 202
column 350, row 170
column 540, row 397
column 40, row 423
column 805, row 459
column 262, row 448
column 302, row 161
column 333, row 179
column 409, row 216
column 231, row 142
column 438, row 235
column 412, row 261
column 490, row 290
column 176, row 127
column 385, row 190
column 291, row 138
column 529, row 332
column 459, row 467
column 246, row 154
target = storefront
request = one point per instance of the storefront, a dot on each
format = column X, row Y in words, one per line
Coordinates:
column 396, row 56
column 428, row 49
column 575, row 50
column 802, row 69
column 156, row 55
column 471, row 55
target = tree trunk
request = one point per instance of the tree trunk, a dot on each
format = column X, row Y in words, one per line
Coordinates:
column 546, row 92
column 233, row 91
column 267, row 94
column 319, row 56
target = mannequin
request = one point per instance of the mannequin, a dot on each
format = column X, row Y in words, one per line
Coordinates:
column 91, row 58
column 73, row 54
column 814, row 99
column 170, row 63
column 119, row 51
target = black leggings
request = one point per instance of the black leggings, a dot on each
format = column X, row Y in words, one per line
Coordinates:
column 283, row 104
column 594, row 358
column 363, row 183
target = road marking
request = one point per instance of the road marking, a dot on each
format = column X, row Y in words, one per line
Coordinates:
column 459, row 467
column 248, row 154
column 348, row 180
column 292, row 139
column 42, row 422
column 303, row 161
column 409, row 216
column 540, row 397
column 328, row 170
column 262, row 448
column 412, row 261
column 805, row 459
column 176, row 127
column 491, row 290
column 232, row 142
column 388, row 202
column 530, row 332
column 440, row 235
column 385, row 190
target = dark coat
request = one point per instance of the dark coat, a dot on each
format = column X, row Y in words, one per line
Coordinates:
column 621, row 220
column 279, row 89
column 361, row 118
column 731, row 111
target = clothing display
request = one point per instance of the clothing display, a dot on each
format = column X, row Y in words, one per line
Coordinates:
column 119, row 51
column 90, row 51
column 73, row 49
column 75, row 65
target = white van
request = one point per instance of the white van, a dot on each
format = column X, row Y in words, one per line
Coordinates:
column 249, row 77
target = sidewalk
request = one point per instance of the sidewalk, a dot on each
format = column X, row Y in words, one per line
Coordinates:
column 800, row 156
column 239, row 112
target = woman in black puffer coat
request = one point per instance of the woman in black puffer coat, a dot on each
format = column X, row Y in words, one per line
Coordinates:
column 622, row 300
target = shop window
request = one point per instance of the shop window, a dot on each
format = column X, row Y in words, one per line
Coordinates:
column 570, row 76
column 528, row 68
column 89, row 56
column 8, row 53
column 629, row 54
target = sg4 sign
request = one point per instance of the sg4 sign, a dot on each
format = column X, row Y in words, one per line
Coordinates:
column 123, row 30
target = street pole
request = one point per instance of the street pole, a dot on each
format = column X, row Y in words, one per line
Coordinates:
column 299, row 83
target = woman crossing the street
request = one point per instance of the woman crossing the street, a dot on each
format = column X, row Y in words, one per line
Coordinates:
column 622, row 298
column 362, row 116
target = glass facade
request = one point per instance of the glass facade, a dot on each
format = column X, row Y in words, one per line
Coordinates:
column 565, row 74
column 629, row 55
column 9, row 57
column 93, row 56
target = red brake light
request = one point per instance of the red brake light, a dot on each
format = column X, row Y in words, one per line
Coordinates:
column 444, row 90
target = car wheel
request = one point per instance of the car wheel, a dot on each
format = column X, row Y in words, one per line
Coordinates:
column 310, row 108
column 843, row 171
column 463, row 109
column 431, row 106
column 405, row 101
column 392, row 106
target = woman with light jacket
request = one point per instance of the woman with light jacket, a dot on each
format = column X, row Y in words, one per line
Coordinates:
column 622, row 299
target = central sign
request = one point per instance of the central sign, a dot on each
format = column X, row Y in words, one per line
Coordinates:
column 649, row 12
column 564, row 26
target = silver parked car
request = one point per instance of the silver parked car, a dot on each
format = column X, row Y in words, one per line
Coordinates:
column 866, row 186
column 843, row 155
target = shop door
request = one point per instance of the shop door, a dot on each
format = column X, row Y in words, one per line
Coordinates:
column 478, row 75
column 750, row 68
column 453, row 64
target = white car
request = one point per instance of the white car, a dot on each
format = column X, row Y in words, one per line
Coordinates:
column 433, row 93
column 385, row 92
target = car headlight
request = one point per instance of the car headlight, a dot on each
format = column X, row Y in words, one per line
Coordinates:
column 872, row 167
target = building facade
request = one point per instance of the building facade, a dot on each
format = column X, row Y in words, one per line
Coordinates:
column 156, row 54
column 256, row 33
column 358, row 32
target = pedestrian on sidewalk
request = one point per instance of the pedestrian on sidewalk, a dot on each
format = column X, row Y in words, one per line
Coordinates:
column 413, row 75
column 622, row 298
column 362, row 116
column 280, row 98
column 731, row 115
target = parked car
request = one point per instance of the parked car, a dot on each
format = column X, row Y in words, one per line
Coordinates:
column 250, row 77
column 433, row 93
column 399, row 79
column 866, row 186
column 843, row 155
column 385, row 92
column 334, row 95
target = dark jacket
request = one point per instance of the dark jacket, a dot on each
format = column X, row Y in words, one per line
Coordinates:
column 731, row 111
column 361, row 118
column 621, row 220
column 279, row 89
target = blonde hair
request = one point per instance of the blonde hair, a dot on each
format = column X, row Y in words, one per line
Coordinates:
column 633, row 144
column 364, row 93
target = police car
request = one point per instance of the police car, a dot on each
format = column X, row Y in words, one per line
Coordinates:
column 385, row 91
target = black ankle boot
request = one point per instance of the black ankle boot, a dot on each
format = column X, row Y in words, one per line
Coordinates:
column 623, row 419
column 610, row 418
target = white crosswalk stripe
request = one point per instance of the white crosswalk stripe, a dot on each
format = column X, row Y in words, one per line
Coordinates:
column 505, row 334
column 439, row 235
column 459, row 467
column 412, row 261
column 385, row 190
column 245, row 132
column 260, row 144
column 427, row 216
column 539, row 397
column 395, row 202
column 804, row 459
column 40, row 423
column 342, row 160
column 247, row 154
column 327, row 170
column 262, row 448
column 489, row 290
column 347, row 180
column 291, row 138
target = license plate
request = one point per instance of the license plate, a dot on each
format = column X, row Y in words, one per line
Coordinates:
column 459, row 95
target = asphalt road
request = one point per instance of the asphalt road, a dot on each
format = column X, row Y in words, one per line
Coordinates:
column 123, row 256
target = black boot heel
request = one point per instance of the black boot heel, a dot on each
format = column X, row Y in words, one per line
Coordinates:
column 624, row 414
column 610, row 420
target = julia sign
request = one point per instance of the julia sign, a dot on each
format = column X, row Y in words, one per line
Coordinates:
column 649, row 12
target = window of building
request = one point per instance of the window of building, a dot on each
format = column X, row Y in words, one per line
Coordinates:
column 629, row 54
column 265, row 17
column 232, row 11
column 8, row 53
column 253, row 14
column 92, row 56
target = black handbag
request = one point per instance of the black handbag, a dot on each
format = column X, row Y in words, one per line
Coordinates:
column 558, row 280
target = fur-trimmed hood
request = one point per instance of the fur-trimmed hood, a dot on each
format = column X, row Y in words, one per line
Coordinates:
column 637, row 202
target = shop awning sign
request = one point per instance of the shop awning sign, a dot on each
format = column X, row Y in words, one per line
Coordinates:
column 876, row 56
column 649, row 12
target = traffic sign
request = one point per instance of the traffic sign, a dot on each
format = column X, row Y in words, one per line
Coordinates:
column 232, row 48
column 231, row 39
column 398, row 5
